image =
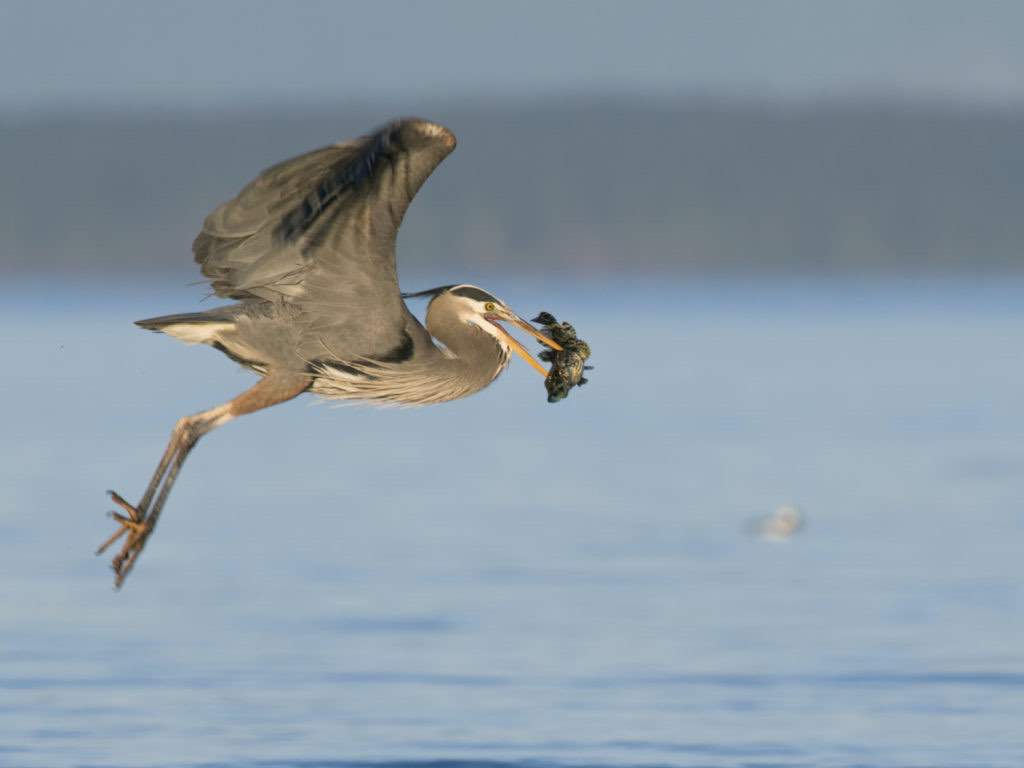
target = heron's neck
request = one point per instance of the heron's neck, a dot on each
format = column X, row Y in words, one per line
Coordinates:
column 478, row 356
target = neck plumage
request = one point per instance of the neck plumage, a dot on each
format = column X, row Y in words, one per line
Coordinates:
column 473, row 359
column 475, row 356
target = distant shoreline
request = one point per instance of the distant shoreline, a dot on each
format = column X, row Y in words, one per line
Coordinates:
column 694, row 186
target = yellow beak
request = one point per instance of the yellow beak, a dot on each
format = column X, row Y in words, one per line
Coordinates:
column 518, row 348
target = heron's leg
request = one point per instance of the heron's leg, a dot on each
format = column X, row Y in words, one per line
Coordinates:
column 161, row 469
column 133, row 522
column 140, row 521
column 140, row 524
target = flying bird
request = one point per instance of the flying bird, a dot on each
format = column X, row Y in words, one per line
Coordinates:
column 307, row 253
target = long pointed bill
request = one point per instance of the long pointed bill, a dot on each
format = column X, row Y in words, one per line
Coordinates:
column 518, row 348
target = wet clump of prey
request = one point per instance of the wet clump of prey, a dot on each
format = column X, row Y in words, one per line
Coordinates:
column 567, row 364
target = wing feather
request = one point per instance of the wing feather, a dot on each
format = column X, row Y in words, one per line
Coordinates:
column 318, row 231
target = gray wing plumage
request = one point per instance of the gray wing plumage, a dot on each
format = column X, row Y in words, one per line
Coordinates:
column 317, row 232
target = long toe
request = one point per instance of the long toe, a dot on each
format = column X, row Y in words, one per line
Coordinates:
column 130, row 523
column 134, row 527
column 134, row 513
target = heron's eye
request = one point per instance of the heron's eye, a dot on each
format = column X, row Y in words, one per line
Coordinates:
column 489, row 306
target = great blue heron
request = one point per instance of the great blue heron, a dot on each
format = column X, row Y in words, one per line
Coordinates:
column 308, row 251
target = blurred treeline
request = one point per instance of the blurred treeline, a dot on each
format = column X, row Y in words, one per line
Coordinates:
column 619, row 186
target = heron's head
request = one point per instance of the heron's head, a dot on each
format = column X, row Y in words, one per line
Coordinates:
column 476, row 307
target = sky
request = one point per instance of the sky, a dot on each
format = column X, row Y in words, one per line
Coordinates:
column 230, row 53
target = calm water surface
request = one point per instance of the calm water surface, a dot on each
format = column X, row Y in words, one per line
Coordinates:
column 505, row 580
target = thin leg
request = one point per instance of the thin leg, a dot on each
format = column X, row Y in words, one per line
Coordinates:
column 133, row 523
column 140, row 520
column 161, row 469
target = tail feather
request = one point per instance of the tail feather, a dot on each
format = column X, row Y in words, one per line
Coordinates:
column 190, row 327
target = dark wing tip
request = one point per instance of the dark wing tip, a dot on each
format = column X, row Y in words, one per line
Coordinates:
column 414, row 129
column 431, row 141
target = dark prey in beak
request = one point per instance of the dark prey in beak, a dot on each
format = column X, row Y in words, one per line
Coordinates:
column 567, row 364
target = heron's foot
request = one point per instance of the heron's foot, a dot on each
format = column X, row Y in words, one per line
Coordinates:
column 137, row 529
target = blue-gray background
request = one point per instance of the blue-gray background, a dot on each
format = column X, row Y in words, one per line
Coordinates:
column 241, row 52
column 791, row 232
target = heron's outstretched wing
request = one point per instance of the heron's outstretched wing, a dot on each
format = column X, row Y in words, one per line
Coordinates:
column 318, row 232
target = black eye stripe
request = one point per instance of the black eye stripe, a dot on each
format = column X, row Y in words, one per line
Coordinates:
column 469, row 292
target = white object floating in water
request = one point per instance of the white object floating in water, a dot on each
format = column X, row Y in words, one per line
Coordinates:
column 786, row 520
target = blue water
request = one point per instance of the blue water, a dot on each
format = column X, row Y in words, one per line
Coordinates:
column 501, row 579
